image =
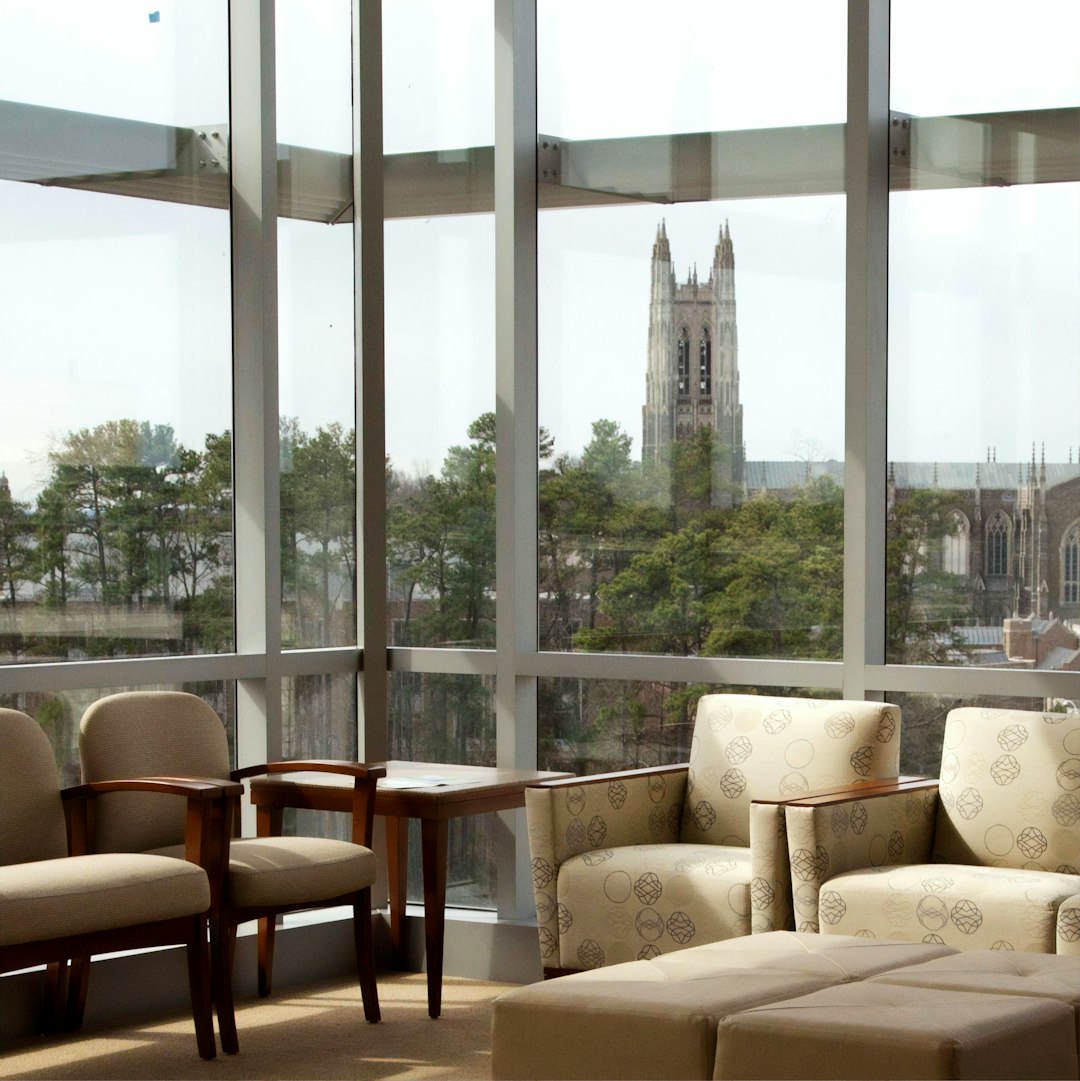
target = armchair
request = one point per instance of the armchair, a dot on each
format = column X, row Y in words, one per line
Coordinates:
column 153, row 732
column 61, row 901
column 630, row 865
column 985, row 856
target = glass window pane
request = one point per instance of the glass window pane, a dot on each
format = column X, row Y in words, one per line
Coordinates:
column 59, row 713
column 984, row 331
column 316, row 338
column 691, row 348
column 115, row 489
column 318, row 720
column 596, row 725
column 449, row 719
column 440, row 319
column 923, row 723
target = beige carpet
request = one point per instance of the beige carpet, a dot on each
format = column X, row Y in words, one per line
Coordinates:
column 319, row 1032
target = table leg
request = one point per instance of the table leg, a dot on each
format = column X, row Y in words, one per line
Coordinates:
column 397, row 875
column 434, row 833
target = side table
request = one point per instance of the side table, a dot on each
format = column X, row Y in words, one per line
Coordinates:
column 429, row 791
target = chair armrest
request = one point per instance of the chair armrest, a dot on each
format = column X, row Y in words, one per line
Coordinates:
column 576, row 815
column 207, row 827
column 885, row 823
column 359, row 770
column 365, row 778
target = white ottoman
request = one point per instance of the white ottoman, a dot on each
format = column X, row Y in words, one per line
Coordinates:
column 879, row 1030
column 658, row 1018
column 1001, row 972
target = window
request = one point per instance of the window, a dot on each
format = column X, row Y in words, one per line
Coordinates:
column 955, row 545
column 1070, row 565
column 684, row 362
column 997, row 544
column 705, row 363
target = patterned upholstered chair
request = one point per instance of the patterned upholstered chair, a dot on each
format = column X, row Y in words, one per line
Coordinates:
column 143, row 733
column 63, row 898
column 985, row 857
column 632, row 865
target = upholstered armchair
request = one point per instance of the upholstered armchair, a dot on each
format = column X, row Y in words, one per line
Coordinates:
column 63, row 898
column 169, row 732
column 984, row 857
column 631, row 865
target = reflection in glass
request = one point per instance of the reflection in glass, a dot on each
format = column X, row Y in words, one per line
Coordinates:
column 318, row 720
column 984, row 331
column 59, row 713
column 451, row 719
column 115, row 488
column 315, row 314
column 923, row 719
column 591, row 726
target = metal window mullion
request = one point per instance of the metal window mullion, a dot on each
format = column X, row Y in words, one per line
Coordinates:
column 515, row 426
column 369, row 287
column 253, row 180
column 866, row 182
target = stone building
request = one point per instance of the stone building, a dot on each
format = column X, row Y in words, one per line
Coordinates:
column 692, row 374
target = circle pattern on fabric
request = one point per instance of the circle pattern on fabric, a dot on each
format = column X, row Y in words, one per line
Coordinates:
column 617, row 887
column 799, row 753
column 649, row 924
column 999, row 840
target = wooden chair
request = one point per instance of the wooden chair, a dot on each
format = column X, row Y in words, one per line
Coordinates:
column 147, row 733
column 61, row 900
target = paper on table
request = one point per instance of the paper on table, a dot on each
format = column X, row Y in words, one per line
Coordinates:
column 430, row 780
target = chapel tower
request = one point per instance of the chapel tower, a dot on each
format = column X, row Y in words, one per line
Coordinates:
column 692, row 376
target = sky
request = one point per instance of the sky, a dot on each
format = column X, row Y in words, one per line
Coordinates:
column 113, row 307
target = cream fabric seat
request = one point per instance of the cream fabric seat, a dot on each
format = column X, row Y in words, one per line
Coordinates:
column 155, row 732
column 632, row 865
column 984, row 858
column 56, row 907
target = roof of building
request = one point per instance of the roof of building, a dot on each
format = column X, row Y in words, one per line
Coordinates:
column 1057, row 658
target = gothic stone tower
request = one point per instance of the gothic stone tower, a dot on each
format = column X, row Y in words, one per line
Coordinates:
column 692, row 378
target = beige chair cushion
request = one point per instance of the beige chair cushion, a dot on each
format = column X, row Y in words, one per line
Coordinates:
column 626, row 904
column 658, row 1018
column 1068, row 927
column 76, row 895
column 272, row 871
column 188, row 740
column 1010, row 790
column 747, row 746
column 970, row 908
column 31, row 813
column 873, row 1030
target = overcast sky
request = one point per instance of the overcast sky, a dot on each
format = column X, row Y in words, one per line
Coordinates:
column 112, row 307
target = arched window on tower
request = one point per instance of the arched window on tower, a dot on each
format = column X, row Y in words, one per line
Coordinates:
column 705, row 362
column 684, row 362
column 997, row 544
column 1070, row 565
column 955, row 545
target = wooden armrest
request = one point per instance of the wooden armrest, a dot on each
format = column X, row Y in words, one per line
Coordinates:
column 866, row 790
column 359, row 770
column 192, row 788
column 606, row 778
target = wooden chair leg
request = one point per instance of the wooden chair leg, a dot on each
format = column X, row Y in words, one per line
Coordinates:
column 267, row 930
column 222, row 938
column 365, row 955
column 78, row 983
column 198, row 957
column 54, row 1014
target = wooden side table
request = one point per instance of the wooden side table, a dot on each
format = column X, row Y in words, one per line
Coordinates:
column 429, row 791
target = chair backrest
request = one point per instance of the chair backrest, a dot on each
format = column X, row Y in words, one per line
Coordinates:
column 32, row 823
column 1010, row 790
column 749, row 747
column 148, row 734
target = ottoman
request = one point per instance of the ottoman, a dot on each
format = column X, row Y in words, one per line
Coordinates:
column 879, row 1030
column 658, row 1018
column 1001, row 972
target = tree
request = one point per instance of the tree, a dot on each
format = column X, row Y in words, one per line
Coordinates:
column 922, row 607
column 15, row 550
